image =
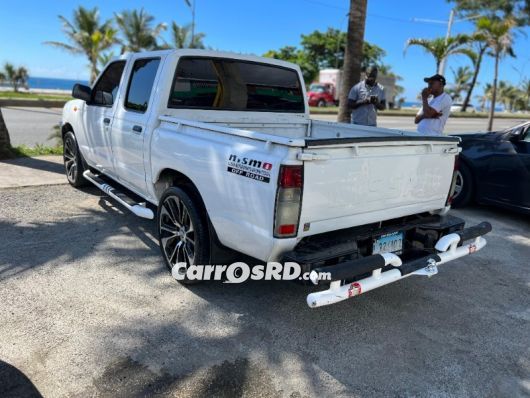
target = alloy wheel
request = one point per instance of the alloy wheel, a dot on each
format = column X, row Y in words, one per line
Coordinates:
column 70, row 159
column 177, row 233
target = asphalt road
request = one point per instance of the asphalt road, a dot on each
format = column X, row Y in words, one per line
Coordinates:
column 453, row 125
column 30, row 126
column 87, row 308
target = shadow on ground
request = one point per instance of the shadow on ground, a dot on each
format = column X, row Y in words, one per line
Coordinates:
column 15, row 384
column 37, row 164
column 462, row 333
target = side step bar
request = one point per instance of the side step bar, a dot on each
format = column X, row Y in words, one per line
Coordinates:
column 448, row 248
column 137, row 208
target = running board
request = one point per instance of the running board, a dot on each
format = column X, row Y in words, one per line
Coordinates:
column 137, row 208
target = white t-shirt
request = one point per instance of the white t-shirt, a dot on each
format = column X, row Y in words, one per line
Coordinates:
column 442, row 103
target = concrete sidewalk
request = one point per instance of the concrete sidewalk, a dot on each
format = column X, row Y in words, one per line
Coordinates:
column 25, row 172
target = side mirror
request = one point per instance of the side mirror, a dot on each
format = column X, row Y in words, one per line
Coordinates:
column 103, row 98
column 82, row 92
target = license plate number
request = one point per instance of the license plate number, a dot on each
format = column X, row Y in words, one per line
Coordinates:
column 389, row 243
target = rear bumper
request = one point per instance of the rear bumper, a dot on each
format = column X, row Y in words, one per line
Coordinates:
column 388, row 267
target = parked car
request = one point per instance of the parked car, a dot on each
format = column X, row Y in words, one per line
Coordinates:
column 221, row 150
column 494, row 168
column 457, row 107
column 321, row 95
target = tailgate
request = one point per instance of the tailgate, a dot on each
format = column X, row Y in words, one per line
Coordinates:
column 350, row 182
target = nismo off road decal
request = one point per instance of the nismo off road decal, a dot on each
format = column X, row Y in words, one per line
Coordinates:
column 251, row 168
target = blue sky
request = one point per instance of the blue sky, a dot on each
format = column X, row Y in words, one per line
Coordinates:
column 251, row 26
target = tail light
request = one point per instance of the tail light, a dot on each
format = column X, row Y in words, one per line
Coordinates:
column 288, row 201
column 453, row 184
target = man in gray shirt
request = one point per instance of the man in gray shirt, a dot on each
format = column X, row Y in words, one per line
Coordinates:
column 365, row 98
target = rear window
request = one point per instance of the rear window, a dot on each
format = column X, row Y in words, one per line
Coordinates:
column 222, row 84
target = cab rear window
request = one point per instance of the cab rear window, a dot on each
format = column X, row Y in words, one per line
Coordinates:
column 223, row 84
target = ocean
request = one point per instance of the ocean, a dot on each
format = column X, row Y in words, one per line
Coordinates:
column 49, row 83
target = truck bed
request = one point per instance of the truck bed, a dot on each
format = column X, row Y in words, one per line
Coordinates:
column 356, row 175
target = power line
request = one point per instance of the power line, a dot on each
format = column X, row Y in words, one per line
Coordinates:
column 402, row 20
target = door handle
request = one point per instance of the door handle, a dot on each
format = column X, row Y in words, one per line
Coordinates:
column 137, row 128
column 106, row 120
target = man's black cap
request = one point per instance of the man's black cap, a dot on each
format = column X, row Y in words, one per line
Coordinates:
column 436, row 77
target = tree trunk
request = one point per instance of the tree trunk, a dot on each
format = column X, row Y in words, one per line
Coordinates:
column 474, row 80
column 353, row 55
column 5, row 141
column 93, row 71
column 494, row 93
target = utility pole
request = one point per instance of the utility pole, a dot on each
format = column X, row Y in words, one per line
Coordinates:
column 441, row 69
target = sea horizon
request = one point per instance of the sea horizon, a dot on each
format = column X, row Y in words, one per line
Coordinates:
column 53, row 83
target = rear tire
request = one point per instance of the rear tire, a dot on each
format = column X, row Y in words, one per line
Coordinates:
column 183, row 232
column 73, row 161
column 463, row 187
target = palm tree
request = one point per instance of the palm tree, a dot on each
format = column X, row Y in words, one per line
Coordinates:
column 441, row 48
column 485, row 97
column 508, row 95
column 461, row 81
column 525, row 88
column 137, row 31
column 353, row 55
column 105, row 58
column 86, row 35
column 476, row 54
column 16, row 76
column 182, row 38
column 5, row 141
column 499, row 38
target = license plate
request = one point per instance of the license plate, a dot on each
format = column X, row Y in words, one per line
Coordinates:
column 389, row 243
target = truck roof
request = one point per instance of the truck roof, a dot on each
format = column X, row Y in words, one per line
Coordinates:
column 213, row 53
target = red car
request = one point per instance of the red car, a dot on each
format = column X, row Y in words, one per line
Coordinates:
column 321, row 94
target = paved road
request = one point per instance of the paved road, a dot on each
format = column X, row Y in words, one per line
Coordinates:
column 34, row 125
column 454, row 125
column 87, row 308
column 30, row 126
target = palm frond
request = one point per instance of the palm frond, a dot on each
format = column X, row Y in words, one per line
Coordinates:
column 64, row 46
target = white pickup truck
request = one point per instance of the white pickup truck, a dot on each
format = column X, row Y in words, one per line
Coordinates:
column 220, row 149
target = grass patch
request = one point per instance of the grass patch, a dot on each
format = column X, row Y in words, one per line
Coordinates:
column 23, row 151
column 34, row 96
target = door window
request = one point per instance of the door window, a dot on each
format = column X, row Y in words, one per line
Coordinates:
column 141, row 84
column 106, row 89
column 527, row 134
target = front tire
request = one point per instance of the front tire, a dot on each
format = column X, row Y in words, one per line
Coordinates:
column 463, row 187
column 182, row 232
column 321, row 103
column 73, row 161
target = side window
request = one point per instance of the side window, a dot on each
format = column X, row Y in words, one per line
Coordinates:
column 141, row 84
column 105, row 91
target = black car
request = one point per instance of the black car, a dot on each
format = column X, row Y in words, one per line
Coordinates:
column 494, row 168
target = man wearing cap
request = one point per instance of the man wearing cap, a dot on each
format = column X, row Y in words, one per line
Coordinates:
column 432, row 116
column 365, row 98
